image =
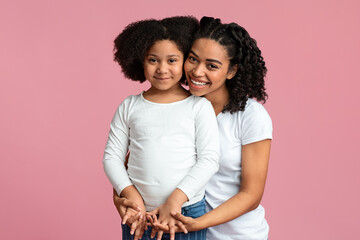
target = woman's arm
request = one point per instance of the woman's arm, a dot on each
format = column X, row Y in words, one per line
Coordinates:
column 255, row 159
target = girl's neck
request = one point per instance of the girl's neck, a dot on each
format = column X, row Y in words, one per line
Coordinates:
column 166, row 96
column 219, row 99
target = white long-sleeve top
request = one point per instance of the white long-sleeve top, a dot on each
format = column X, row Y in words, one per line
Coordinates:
column 172, row 145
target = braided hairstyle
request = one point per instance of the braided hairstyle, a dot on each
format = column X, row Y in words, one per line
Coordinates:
column 243, row 52
column 131, row 45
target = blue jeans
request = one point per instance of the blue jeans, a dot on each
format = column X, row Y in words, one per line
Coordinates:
column 194, row 210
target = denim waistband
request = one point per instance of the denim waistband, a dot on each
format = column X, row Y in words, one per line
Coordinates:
column 199, row 203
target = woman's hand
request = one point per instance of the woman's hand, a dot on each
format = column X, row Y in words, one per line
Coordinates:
column 188, row 223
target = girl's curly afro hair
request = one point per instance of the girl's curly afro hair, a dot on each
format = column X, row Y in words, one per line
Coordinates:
column 242, row 51
column 137, row 38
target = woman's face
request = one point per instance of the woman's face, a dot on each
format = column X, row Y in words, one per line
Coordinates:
column 207, row 68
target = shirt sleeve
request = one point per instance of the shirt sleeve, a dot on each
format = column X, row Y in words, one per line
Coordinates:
column 115, row 151
column 207, row 150
column 256, row 124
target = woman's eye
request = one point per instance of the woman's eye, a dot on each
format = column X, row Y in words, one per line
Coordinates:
column 152, row 60
column 212, row 66
column 172, row 60
column 192, row 59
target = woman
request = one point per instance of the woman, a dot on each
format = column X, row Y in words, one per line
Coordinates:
column 225, row 66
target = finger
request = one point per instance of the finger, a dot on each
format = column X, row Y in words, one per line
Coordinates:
column 154, row 220
column 131, row 214
column 172, row 232
column 122, row 211
column 133, row 227
column 124, row 219
column 162, row 226
column 142, row 229
column 127, row 203
column 159, row 234
column 134, row 218
column 179, row 217
column 150, row 220
column 154, row 212
column 153, row 232
column 139, row 230
column 181, row 227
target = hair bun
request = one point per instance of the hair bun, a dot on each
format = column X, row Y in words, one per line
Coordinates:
column 209, row 21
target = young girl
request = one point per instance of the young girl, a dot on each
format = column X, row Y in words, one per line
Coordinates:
column 171, row 135
column 225, row 65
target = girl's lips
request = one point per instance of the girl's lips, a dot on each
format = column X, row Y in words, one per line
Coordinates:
column 157, row 78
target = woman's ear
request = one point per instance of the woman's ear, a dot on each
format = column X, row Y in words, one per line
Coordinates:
column 232, row 71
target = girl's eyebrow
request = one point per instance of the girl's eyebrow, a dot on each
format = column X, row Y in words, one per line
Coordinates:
column 209, row 59
column 171, row 55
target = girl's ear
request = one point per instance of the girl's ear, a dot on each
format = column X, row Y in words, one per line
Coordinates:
column 232, row 71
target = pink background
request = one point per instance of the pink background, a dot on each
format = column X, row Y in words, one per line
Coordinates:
column 59, row 90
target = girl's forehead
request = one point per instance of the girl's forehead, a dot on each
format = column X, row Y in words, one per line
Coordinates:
column 167, row 47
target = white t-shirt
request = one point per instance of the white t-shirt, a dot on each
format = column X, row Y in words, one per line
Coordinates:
column 172, row 145
column 237, row 129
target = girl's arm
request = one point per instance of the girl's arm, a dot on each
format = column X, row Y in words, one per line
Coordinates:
column 255, row 159
column 116, row 149
column 114, row 164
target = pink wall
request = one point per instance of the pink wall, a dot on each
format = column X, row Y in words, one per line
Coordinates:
column 60, row 87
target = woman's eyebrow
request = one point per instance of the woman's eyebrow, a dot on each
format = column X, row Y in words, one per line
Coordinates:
column 191, row 51
column 214, row 60
column 209, row 59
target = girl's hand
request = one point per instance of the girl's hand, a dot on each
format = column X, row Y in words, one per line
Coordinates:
column 165, row 222
column 138, row 227
column 127, row 209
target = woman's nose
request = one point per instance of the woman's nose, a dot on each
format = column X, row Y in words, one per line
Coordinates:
column 198, row 71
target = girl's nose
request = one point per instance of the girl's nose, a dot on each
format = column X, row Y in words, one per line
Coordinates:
column 162, row 68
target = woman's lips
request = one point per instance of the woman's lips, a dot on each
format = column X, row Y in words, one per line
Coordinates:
column 198, row 83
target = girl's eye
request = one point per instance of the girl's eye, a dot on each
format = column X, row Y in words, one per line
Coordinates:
column 172, row 60
column 152, row 60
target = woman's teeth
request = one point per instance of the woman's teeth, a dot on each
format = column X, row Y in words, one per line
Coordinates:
column 198, row 83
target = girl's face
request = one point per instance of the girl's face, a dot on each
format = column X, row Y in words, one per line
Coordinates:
column 207, row 68
column 163, row 65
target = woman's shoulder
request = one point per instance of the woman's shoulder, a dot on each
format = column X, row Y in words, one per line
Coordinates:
column 253, row 105
column 253, row 112
column 254, row 108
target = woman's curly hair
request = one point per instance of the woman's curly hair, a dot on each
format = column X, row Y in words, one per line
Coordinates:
column 137, row 38
column 242, row 51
